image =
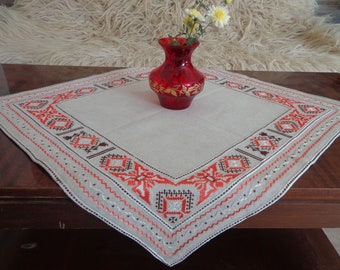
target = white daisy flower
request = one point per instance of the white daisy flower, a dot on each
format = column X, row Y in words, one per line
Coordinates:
column 219, row 16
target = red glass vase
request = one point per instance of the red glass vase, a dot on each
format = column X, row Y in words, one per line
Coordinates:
column 176, row 81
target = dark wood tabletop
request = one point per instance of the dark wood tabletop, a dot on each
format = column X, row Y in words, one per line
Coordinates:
column 29, row 198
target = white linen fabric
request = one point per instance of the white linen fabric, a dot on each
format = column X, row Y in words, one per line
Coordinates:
column 171, row 180
column 169, row 140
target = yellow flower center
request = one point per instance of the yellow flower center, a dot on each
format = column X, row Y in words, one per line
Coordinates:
column 219, row 15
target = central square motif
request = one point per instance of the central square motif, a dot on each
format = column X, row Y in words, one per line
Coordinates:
column 174, row 204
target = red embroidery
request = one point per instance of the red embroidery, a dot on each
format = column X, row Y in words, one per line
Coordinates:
column 71, row 94
column 140, row 180
column 296, row 119
column 86, row 141
column 47, row 114
column 264, row 143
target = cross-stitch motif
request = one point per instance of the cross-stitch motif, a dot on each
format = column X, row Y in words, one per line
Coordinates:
column 141, row 180
column 86, row 141
column 171, row 217
column 264, row 143
column 174, row 204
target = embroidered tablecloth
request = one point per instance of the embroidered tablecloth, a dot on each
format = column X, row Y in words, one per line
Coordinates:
column 171, row 180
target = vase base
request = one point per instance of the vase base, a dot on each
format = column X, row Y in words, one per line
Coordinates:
column 175, row 103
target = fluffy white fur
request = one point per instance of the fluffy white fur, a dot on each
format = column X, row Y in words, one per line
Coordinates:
column 277, row 35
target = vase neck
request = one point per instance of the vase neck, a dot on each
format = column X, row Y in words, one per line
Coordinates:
column 177, row 54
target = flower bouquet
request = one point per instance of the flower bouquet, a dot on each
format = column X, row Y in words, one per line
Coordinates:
column 199, row 17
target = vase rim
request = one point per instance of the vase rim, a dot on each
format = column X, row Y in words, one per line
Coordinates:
column 181, row 40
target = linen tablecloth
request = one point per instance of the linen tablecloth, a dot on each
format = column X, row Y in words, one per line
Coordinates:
column 171, row 180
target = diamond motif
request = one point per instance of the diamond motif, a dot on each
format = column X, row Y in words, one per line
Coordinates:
column 310, row 109
column 263, row 94
column 287, row 126
column 85, row 141
column 264, row 143
column 116, row 163
column 234, row 164
column 34, row 104
column 59, row 123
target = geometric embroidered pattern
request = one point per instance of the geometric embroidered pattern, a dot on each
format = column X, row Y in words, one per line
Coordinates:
column 296, row 119
column 288, row 102
column 234, row 85
column 71, row 94
column 34, row 104
column 85, row 141
column 171, row 216
column 117, row 83
column 174, row 204
column 287, row 126
column 300, row 118
column 116, row 163
column 234, row 164
column 310, row 109
column 47, row 114
column 59, row 123
column 264, row 143
column 264, row 95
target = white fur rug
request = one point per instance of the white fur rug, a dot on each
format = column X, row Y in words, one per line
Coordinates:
column 277, row 35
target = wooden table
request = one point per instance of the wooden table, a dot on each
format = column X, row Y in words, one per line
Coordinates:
column 29, row 198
